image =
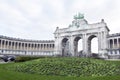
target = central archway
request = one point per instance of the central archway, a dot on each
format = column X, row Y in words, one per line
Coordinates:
column 78, row 48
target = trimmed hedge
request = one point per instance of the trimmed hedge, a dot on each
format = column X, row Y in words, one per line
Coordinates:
column 68, row 67
column 25, row 58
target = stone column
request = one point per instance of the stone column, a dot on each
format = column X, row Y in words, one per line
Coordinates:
column 39, row 47
column 15, row 45
column 36, row 47
column 21, row 46
column 58, row 48
column 8, row 45
column 4, row 44
column 117, row 43
column 84, row 44
column 48, row 47
column 113, row 44
column 1, row 44
column 109, row 44
column 105, row 38
column 43, row 46
column 33, row 47
column 26, row 46
column 104, row 45
column 99, row 42
column 11, row 45
column 71, row 46
column 52, row 46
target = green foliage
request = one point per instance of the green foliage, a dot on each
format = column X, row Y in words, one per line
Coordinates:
column 79, row 67
column 25, row 58
column 13, row 75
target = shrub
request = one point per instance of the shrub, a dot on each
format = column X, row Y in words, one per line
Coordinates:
column 67, row 67
column 25, row 58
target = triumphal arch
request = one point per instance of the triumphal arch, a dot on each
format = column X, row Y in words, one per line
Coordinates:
column 66, row 39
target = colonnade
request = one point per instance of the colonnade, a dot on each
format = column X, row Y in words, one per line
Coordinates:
column 5, row 44
column 21, row 46
column 114, row 45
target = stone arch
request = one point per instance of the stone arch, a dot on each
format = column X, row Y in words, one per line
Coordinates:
column 65, row 47
column 89, row 43
column 80, row 27
column 76, row 39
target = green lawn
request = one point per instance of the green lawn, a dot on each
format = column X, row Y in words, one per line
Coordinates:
column 24, row 70
column 11, row 75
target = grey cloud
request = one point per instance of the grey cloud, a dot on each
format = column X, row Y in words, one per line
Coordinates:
column 23, row 18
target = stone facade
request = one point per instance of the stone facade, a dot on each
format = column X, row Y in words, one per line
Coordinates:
column 66, row 39
column 80, row 29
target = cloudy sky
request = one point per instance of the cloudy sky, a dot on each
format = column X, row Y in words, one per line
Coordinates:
column 38, row 19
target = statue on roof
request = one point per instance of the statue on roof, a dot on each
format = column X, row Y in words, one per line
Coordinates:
column 79, row 16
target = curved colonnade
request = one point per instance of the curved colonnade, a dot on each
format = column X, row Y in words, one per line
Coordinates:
column 114, row 45
column 16, row 46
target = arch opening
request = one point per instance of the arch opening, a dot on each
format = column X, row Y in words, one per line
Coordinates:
column 78, row 47
column 93, row 45
column 65, row 47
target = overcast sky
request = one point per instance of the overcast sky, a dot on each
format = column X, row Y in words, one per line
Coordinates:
column 38, row 19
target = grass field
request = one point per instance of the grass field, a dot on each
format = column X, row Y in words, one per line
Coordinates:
column 61, row 69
